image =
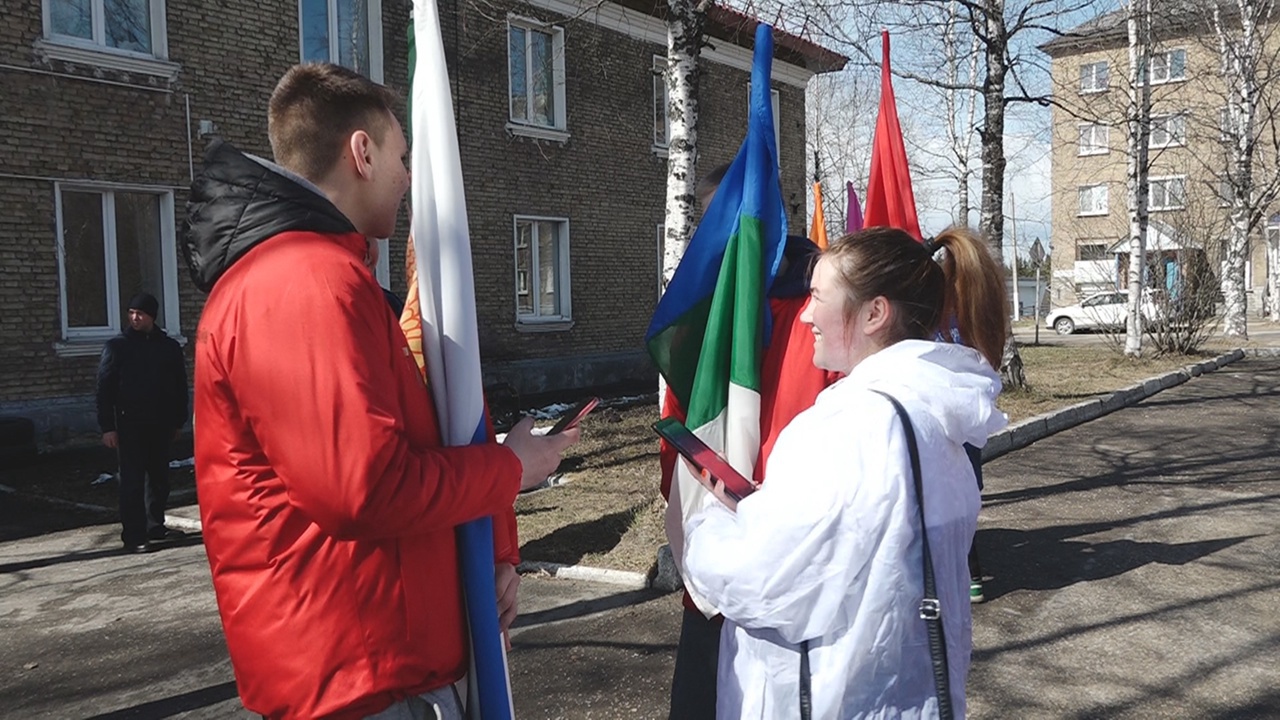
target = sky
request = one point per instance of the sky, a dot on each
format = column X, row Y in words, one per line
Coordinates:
column 1027, row 197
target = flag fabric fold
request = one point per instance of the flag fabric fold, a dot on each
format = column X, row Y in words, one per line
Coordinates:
column 818, row 229
column 440, row 323
column 708, row 333
column 853, row 210
column 890, row 200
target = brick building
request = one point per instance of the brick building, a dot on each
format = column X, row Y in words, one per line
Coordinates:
column 1189, row 201
column 108, row 104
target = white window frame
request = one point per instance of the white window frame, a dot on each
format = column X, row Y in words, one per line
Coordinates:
column 1092, row 147
column 775, row 100
column 95, row 51
column 550, row 322
column 1225, row 191
column 375, row 37
column 1167, row 58
column 1161, row 181
column 661, row 145
column 89, row 340
column 1106, row 200
column 558, row 130
column 1094, row 86
column 1166, row 124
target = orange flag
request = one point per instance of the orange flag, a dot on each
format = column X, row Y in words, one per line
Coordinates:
column 818, row 230
column 890, row 201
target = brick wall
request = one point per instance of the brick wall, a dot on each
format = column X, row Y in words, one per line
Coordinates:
column 64, row 121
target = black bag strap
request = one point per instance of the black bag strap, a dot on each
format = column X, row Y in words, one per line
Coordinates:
column 930, row 607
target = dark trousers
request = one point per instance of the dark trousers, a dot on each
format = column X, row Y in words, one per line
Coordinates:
column 693, row 686
column 144, row 480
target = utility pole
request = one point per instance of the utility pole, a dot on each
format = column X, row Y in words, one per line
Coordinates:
column 1013, row 230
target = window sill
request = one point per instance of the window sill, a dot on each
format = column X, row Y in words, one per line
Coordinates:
column 92, row 347
column 1094, row 91
column 661, row 151
column 107, row 58
column 543, row 326
column 1169, row 81
column 538, row 133
column 1165, row 209
column 1166, row 146
column 1093, row 214
column 1093, row 152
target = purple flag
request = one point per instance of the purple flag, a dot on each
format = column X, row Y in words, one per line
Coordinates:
column 853, row 211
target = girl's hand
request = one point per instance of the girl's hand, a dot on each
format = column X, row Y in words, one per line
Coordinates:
column 715, row 487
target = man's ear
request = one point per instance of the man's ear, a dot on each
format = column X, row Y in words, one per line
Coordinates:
column 360, row 145
column 879, row 314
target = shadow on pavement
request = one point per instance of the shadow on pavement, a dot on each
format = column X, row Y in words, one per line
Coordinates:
column 170, row 706
column 1045, row 559
column 192, row 539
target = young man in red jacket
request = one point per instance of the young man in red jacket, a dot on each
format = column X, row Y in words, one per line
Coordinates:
column 328, row 502
column 789, row 383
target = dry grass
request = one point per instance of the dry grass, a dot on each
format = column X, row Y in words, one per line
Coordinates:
column 1059, row 376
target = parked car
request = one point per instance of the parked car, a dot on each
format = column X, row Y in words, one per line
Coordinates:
column 1103, row 311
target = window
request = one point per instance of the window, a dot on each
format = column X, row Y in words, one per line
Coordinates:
column 1168, row 131
column 1095, row 139
column 1093, row 77
column 535, row 72
column 1091, row 251
column 344, row 32
column 114, row 242
column 1225, row 191
column 1168, row 193
column 1168, row 66
column 1093, row 199
column 542, row 269
column 661, row 102
column 126, row 35
column 774, row 101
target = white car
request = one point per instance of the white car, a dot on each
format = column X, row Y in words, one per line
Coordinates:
column 1106, row 310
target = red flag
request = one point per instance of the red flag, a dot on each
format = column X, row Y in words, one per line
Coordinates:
column 818, row 229
column 890, row 201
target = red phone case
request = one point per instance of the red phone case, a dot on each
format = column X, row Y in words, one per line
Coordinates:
column 704, row 458
column 575, row 415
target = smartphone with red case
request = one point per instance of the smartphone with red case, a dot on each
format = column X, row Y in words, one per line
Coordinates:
column 704, row 458
column 574, row 416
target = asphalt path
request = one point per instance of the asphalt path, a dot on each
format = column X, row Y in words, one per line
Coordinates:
column 1133, row 567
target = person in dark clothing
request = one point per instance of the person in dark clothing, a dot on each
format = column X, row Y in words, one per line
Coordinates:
column 142, row 403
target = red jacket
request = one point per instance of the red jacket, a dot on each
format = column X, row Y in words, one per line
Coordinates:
column 789, row 383
column 327, row 501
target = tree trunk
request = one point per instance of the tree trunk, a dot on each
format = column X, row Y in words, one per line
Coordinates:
column 685, row 25
column 1273, row 274
column 992, row 133
column 1240, row 64
column 1139, row 121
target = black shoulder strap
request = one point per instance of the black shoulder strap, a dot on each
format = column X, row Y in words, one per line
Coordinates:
column 930, row 607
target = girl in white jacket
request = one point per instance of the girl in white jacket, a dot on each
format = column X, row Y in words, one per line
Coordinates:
column 829, row 550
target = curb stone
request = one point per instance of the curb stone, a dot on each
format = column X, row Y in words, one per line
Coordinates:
column 1022, row 434
column 621, row 578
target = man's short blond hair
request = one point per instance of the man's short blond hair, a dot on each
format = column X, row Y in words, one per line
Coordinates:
column 315, row 108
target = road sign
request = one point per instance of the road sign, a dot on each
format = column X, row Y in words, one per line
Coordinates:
column 1037, row 253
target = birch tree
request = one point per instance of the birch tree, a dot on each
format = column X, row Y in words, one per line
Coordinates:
column 1138, row 120
column 1239, row 28
column 686, row 22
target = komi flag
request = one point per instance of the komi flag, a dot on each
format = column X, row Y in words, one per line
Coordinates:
column 853, row 211
column 440, row 323
column 818, row 229
column 708, row 332
column 890, row 200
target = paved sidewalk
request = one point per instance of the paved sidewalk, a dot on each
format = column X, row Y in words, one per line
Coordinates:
column 1135, row 564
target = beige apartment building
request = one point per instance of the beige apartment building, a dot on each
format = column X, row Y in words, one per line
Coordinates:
column 1188, row 158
